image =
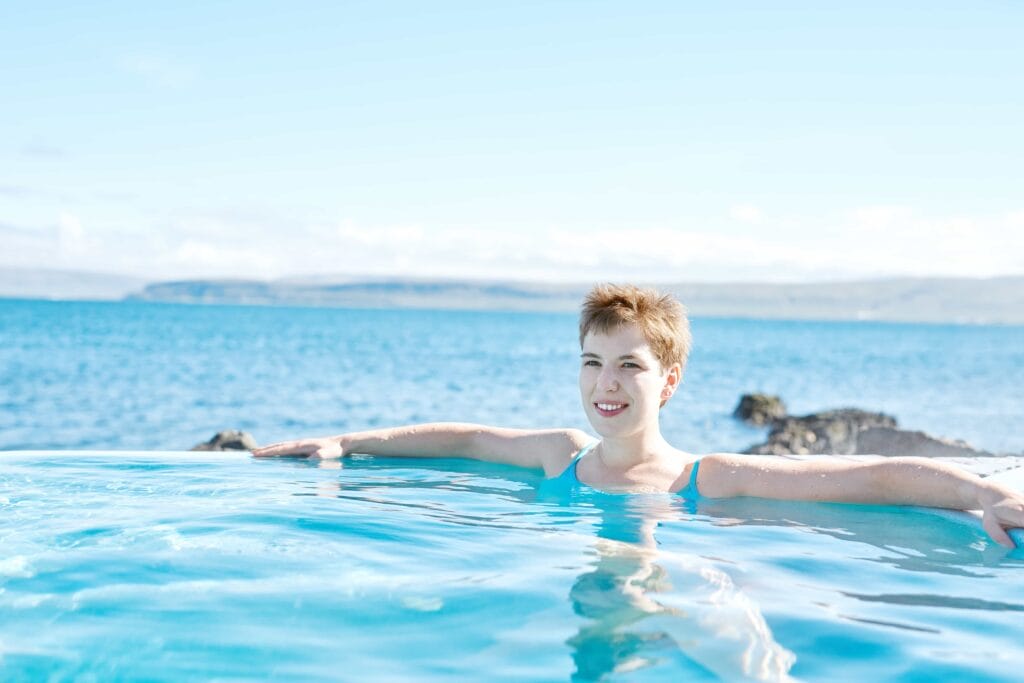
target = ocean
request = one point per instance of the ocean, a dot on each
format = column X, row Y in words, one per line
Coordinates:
column 146, row 376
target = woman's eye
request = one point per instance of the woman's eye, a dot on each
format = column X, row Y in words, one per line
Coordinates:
column 591, row 363
column 627, row 364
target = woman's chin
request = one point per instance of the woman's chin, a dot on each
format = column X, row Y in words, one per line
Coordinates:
column 606, row 430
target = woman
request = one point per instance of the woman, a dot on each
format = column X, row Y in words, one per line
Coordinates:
column 634, row 345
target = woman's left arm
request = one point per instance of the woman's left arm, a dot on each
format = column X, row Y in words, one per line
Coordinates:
column 882, row 481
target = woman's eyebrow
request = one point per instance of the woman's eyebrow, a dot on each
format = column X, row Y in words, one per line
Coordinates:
column 628, row 356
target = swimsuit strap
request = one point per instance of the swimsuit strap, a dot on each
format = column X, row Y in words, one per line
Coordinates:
column 691, row 488
column 690, row 491
column 570, row 471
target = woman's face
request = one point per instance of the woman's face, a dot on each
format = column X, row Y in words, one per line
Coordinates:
column 622, row 383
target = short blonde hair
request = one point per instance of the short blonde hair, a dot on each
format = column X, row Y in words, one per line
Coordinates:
column 660, row 317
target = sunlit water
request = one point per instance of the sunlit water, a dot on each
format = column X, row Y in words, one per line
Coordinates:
column 173, row 566
column 164, row 377
column 170, row 566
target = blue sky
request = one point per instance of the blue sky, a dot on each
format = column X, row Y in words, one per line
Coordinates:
column 786, row 141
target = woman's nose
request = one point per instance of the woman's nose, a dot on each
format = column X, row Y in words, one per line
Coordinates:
column 608, row 381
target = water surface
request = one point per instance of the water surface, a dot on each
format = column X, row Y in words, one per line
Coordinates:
column 164, row 377
column 164, row 566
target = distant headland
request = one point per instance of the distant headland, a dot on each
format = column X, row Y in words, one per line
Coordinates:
column 997, row 300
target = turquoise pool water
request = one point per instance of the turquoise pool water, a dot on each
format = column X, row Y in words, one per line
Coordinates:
column 176, row 566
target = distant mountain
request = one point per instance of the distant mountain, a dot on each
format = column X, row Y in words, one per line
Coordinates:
column 372, row 293
column 42, row 283
column 958, row 300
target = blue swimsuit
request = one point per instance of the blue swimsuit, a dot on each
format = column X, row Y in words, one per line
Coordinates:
column 690, row 492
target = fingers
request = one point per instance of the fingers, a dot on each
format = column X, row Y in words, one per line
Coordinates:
column 313, row 448
column 998, row 534
column 297, row 448
column 329, row 451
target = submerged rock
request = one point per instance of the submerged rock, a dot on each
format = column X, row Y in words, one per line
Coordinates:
column 760, row 409
column 228, row 440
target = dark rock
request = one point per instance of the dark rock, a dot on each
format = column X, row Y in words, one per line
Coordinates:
column 850, row 431
column 760, row 409
column 228, row 440
column 887, row 441
column 830, row 432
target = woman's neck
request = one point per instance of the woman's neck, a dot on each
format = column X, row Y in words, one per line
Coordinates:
column 620, row 454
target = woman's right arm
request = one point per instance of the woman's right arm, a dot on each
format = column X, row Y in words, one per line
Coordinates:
column 549, row 449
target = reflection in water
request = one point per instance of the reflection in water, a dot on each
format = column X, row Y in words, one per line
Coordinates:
column 642, row 607
column 939, row 601
column 911, row 540
column 645, row 606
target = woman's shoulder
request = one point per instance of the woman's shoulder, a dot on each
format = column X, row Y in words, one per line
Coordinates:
column 720, row 473
column 684, row 466
column 563, row 445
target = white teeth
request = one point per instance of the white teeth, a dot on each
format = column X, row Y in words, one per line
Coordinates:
column 609, row 406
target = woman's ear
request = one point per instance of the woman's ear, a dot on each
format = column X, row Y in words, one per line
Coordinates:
column 672, row 381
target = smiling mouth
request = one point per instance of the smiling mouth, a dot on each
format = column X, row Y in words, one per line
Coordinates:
column 610, row 409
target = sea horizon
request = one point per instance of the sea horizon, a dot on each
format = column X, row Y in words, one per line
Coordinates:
column 145, row 375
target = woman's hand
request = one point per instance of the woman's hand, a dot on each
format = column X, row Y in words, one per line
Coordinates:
column 324, row 449
column 1002, row 508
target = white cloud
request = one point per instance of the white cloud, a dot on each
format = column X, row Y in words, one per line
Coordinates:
column 237, row 259
column 393, row 236
column 70, row 234
column 879, row 219
column 860, row 243
column 904, row 241
column 745, row 213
